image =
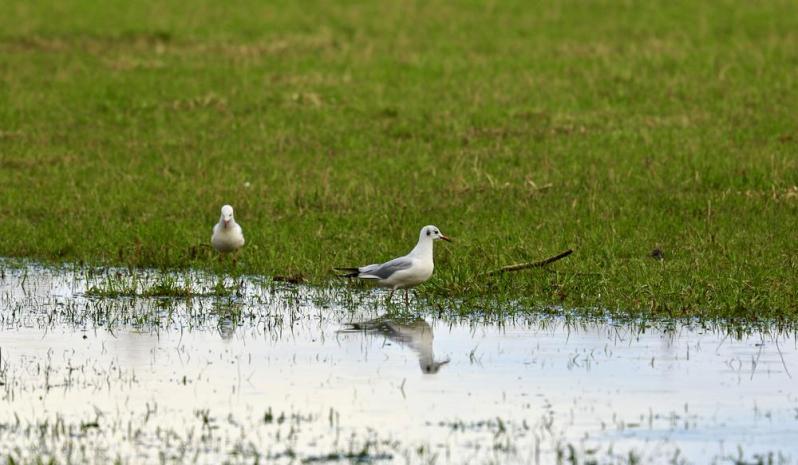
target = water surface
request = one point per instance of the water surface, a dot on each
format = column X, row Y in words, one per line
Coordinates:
column 286, row 374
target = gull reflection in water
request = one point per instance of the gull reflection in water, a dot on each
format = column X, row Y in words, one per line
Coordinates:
column 414, row 333
column 229, row 319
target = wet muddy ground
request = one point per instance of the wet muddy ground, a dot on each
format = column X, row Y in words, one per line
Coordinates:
column 273, row 373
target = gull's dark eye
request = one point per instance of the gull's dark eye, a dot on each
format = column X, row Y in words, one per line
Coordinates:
column 437, row 232
column 428, row 232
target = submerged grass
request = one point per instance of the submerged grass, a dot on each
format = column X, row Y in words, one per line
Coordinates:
column 658, row 140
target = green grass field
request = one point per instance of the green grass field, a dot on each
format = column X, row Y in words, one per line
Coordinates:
column 338, row 129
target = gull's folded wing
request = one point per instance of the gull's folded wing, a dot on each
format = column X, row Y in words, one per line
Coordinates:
column 385, row 270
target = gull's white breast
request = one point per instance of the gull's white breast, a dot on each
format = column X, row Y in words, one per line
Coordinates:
column 420, row 271
column 227, row 239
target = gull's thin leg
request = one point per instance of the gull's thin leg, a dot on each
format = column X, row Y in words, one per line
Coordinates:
column 390, row 296
column 406, row 301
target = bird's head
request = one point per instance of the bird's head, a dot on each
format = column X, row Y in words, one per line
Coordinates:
column 227, row 216
column 433, row 233
column 430, row 367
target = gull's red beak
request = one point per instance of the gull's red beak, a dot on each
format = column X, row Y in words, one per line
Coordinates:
column 445, row 238
column 226, row 223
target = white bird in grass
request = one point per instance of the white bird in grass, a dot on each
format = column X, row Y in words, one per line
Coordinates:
column 227, row 234
column 403, row 272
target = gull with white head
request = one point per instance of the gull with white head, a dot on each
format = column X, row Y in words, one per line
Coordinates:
column 403, row 272
column 227, row 234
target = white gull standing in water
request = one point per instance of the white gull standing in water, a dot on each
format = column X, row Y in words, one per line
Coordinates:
column 227, row 234
column 403, row 272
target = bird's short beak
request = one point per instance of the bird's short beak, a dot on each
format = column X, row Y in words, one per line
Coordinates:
column 445, row 238
column 226, row 223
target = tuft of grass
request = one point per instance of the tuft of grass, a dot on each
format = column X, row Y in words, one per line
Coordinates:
column 657, row 139
column 115, row 287
column 164, row 285
column 167, row 287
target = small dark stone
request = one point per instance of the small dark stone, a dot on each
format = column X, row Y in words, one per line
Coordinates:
column 85, row 337
column 657, row 254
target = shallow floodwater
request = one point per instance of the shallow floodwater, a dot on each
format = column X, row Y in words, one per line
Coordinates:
column 286, row 374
